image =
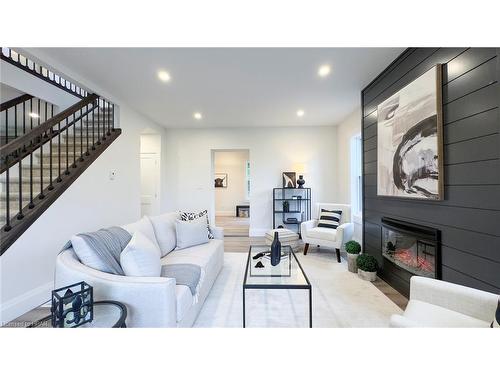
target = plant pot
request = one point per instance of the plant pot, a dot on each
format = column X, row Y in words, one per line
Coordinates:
column 368, row 276
column 351, row 262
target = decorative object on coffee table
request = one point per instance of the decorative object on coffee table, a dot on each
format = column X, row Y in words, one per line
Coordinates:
column 367, row 267
column 289, row 180
column 353, row 248
column 72, row 305
column 276, row 250
column 301, row 182
column 286, row 236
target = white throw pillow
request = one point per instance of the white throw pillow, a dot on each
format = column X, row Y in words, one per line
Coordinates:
column 88, row 256
column 145, row 227
column 191, row 233
column 164, row 228
column 140, row 257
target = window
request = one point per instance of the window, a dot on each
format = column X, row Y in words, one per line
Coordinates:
column 247, row 180
column 356, row 187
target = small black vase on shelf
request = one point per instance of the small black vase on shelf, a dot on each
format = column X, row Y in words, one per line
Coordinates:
column 275, row 250
column 286, row 206
column 301, row 182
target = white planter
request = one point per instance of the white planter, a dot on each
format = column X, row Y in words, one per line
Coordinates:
column 368, row 276
column 351, row 262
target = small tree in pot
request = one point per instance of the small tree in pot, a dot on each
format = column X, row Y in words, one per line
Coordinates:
column 367, row 267
column 353, row 249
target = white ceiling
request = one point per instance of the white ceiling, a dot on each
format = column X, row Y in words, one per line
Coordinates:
column 232, row 87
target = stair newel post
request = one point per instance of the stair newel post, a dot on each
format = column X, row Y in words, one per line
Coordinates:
column 41, row 196
column 31, row 205
column 7, row 196
column 51, row 187
column 87, row 128
column 98, row 123
column 93, row 125
column 81, row 135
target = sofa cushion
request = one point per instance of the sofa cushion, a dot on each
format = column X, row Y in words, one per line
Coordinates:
column 164, row 229
column 188, row 216
column 320, row 233
column 184, row 300
column 145, row 227
column 191, row 233
column 428, row 315
column 141, row 257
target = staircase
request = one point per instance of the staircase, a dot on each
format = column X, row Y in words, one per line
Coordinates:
column 40, row 161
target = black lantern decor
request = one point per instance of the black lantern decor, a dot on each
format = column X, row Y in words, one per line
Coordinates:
column 72, row 305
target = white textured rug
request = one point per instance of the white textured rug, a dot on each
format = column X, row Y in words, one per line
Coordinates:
column 340, row 298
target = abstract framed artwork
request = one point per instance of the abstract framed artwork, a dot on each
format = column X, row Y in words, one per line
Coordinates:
column 289, row 180
column 410, row 140
column 221, row 180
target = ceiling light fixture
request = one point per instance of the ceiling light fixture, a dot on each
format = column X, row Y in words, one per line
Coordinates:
column 164, row 76
column 324, row 70
column 34, row 115
column 300, row 113
column 198, row 116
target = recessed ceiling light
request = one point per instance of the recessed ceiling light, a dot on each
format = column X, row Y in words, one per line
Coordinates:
column 34, row 115
column 300, row 113
column 324, row 70
column 198, row 116
column 164, row 76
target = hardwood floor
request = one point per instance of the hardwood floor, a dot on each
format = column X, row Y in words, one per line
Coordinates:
column 233, row 226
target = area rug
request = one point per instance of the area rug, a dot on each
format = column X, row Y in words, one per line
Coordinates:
column 340, row 298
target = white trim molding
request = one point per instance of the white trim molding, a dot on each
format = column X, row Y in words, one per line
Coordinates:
column 20, row 305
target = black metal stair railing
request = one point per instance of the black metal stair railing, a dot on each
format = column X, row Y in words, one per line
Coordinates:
column 39, row 165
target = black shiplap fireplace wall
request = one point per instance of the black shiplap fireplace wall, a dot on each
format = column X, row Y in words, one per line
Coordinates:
column 469, row 215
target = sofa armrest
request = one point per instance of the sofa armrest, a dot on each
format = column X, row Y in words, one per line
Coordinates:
column 344, row 233
column 468, row 301
column 218, row 232
column 150, row 301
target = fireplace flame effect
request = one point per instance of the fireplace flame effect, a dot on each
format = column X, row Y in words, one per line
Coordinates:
column 408, row 257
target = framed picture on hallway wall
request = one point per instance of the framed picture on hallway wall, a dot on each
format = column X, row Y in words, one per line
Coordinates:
column 289, row 180
column 221, row 180
column 410, row 141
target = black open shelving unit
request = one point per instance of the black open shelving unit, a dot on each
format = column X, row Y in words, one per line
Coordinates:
column 299, row 202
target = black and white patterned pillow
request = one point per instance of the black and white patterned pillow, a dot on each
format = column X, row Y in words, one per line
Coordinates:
column 188, row 216
column 329, row 219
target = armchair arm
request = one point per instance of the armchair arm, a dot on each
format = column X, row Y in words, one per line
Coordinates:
column 218, row 232
column 150, row 301
column 344, row 233
column 472, row 302
column 306, row 225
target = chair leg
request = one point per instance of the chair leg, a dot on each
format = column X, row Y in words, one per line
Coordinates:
column 338, row 254
column 306, row 247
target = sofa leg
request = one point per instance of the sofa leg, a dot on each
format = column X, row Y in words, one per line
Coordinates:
column 306, row 247
column 338, row 254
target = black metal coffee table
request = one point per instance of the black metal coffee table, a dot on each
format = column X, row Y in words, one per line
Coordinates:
column 107, row 314
column 287, row 275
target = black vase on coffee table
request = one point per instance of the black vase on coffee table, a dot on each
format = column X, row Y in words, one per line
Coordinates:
column 275, row 250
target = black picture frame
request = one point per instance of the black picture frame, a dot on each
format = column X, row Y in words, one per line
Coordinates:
column 289, row 180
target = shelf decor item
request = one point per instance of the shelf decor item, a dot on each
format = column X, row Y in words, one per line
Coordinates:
column 353, row 249
column 72, row 305
column 301, row 182
column 286, row 206
column 276, row 250
column 367, row 267
column 291, row 206
column 289, row 180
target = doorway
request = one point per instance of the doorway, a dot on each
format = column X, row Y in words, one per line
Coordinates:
column 150, row 174
column 232, row 182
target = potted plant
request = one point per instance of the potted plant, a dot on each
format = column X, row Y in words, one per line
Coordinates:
column 353, row 249
column 367, row 267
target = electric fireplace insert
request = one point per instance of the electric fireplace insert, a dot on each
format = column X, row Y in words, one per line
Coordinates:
column 412, row 247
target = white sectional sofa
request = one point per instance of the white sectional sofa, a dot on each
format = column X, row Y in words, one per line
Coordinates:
column 151, row 301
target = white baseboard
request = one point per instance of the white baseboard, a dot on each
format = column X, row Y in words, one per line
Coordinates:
column 225, row 213
column 20, row 305
column 258, row 232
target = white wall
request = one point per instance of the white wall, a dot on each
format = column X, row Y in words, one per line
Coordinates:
column 92, row 202
column 348, row 128
column 272, row 151
column 233, row 163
